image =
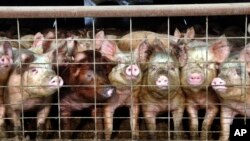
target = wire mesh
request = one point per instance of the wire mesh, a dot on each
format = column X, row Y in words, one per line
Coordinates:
column 80, row 107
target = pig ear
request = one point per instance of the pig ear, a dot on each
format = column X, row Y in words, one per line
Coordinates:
column 177, row 33
column 143, row 51
column 38, row 40
column 8, row 49
column 109, row 49
column 220, row 49
column 99, row 39
column 61, row 49
column 25, row 59
column 158, row 46
column 72, row 45
column 50, row 35
column 245, row 56
column 190, row 33
column 180, row 53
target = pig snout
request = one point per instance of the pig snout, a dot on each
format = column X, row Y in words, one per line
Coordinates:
column 56, row 81
column 195, row 79
column 162, row 82
column 218, row 84
column 5, row 61
column 132, row 71
column 109, row 92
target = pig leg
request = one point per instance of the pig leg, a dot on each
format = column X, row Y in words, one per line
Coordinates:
column 177, row 118
column 108, row 120
column 208, row 120
column 193, row 115
column 2, row 114
column 134, row 113
column 15, row 114
column 97, row 114
column 149, row 113
column 227, row 116
column 41, row 118
column 66, row 123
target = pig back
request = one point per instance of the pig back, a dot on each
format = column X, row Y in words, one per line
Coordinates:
column 124, row 42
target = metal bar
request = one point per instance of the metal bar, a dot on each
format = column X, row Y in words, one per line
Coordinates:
column 124, row 11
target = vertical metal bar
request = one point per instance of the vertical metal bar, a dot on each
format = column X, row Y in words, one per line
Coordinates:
column 245, row 85
column 94, row 61
column 169, row 113
column 19, row 50
column 206, row 71
column 58, row 92
column 131, row 83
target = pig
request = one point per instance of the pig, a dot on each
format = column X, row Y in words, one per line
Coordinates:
column 198, row 69
column 162, row 91
column 6, row 60
column 138, row 36
column 77, row 73
column 125, row 73
column 31, row 84
column 232, row 86
column 94, row 89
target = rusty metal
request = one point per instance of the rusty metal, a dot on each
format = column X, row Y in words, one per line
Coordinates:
column 124, row 11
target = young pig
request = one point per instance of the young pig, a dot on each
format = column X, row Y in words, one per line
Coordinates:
column 137, row 36
column 162, row 91
column 30, row 87
column 232, row 85
column 126, row 75
column 199, row 69
column 6, row 60
column 91, row 88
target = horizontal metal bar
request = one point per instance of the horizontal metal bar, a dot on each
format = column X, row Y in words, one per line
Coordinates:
column 124, row 11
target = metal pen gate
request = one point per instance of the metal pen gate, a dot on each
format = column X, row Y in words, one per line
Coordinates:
column 122, row 130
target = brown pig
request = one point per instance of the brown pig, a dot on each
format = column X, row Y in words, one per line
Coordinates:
column 232, row 86
column 91, row 88
column 6, row 60
column 30, row 87
column 162, row 91
column 199, row 69
column 126, row 75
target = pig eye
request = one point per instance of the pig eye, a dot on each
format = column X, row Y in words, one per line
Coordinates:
column 153, row 68
column 172, row 68
column 34, row 71
column 119, row 60
column 238, row 71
